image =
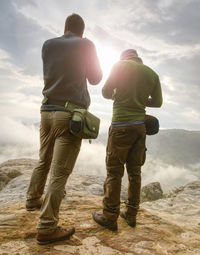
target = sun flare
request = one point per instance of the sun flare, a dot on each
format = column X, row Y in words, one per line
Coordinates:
column 107, row 57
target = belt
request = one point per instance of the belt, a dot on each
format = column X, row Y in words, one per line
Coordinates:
column 128, row 123
column 68, row 106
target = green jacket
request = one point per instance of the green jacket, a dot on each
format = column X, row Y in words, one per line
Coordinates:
column 133, row 86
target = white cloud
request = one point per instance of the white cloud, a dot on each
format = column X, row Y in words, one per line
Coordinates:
column 18, row 140
column 15, row 132
column 192, row 114
column 170, row 177
column 161, row 37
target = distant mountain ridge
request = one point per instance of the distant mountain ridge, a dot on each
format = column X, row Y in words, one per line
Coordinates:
column 176, row 147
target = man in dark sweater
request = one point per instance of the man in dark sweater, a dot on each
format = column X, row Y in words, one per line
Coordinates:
column 133, row 86
column 68, row 62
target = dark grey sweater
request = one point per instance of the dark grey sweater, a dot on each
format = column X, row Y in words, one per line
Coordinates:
column 68, row 62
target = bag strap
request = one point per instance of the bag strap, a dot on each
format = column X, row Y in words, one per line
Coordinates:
column 71, row 107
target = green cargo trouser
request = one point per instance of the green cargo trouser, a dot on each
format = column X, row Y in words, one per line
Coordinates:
column 58, row 152
column 126, row 145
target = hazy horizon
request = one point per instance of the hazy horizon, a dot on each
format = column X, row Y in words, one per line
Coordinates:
column 22, row 141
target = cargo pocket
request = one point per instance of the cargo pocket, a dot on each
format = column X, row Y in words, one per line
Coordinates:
column 144, row 157
column 137, row 156
column 111, row 150
column 121, row 143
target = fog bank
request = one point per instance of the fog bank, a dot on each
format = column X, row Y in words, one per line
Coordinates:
column 18, row 140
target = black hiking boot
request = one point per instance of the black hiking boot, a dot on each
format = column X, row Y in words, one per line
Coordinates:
column 101, row 220
column 131, row 222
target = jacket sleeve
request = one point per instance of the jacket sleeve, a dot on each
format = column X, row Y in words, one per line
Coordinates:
column 93, row 69
column 111, row 83
column 155, row 99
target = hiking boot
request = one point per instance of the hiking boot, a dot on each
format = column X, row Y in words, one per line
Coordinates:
column 101, row 220
column 32, row 205
column 131, row 222
column 59, row 234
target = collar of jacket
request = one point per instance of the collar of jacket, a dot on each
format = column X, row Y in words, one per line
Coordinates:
column 70, row 34
column 136, row 59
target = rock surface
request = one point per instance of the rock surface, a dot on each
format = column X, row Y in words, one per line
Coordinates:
column 151, row 192
column 7, row 173
column 16, row 188
column 182, row 207
column 152, row 235
column 77, row 183
column 164, row 227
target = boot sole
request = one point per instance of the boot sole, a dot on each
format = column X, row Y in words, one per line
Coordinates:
column 35, row 208
column 41, row 242
column 130, row 223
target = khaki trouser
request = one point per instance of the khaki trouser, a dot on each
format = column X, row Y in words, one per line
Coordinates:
column 126, row 145
column 58, row 152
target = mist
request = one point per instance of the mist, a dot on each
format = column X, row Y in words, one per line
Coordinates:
column 18, row 140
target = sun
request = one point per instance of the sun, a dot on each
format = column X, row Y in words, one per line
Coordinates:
column 107, row 58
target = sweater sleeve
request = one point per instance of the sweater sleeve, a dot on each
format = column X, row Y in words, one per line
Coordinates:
column 93, row 72
column 155, row 99
column 110, row 85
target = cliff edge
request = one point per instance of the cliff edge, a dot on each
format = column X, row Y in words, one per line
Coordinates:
column 165, row 227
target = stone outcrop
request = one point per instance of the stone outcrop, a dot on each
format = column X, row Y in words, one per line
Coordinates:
column 181, row 207
column 167, row 226
column 151, row 192
column 77, row 183
column 7, row 173
column 153, row 235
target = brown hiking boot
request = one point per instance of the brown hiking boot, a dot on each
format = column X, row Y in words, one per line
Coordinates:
column 101, row 220
column 59, row 234
column 32, row 205
column 131, row 221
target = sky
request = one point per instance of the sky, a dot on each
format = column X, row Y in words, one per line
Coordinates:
column 165, row 34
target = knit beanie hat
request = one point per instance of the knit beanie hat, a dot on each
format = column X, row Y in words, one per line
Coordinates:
column 130, row 53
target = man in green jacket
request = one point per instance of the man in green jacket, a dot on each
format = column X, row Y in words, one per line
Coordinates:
column 133, row 86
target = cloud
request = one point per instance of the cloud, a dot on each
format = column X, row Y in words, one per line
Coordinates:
column 180, row 108
column 15, row 132
column 107, row 38
column 20, row 94
column 177, row 23
column 172, row 21
column 91, row 159
column 175, row 66
column 18, row 140
column 165, row 33
column 160, row 172
column 22, row 38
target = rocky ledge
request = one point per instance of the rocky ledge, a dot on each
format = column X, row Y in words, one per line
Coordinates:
column 165, row 227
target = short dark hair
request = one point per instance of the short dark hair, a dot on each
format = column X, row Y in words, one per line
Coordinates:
column 75, row 24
